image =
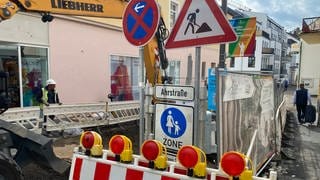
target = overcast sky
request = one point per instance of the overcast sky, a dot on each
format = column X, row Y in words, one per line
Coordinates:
column 288, row 13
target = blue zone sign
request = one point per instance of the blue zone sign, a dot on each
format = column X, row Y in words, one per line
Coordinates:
column 174, row 126
column 173, row 122
column 140, row 21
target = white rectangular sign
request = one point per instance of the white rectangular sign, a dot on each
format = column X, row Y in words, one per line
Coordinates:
column 174, row 127
column 238, row 86
column 184, row 93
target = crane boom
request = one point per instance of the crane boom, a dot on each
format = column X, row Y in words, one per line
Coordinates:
column 94, row 8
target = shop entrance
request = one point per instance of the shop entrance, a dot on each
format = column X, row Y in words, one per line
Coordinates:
column 27, row 67
column 9, row 63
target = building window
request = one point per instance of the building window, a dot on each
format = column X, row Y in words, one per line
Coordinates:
column 251, row 61
column 232, row 62
column 34, row 62
column 124, row 78
column 173, row 13
column 173, row 71
column 33, row 70
column 9, row 65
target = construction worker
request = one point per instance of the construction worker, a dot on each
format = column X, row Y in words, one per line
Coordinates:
column 48, row 95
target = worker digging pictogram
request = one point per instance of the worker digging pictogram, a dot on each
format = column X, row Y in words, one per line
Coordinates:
column 199, row 23
column 192, row 17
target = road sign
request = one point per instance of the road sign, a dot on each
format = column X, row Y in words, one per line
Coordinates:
column 174, row 126
column 184, row 93
column 140, row 21
column 200, row 22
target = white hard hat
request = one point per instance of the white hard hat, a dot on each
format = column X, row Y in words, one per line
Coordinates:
column 50, row 81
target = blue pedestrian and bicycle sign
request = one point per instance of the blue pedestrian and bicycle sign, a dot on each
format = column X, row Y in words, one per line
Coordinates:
column 140, row 21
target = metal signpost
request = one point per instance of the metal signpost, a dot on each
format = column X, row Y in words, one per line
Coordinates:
column 200, row 23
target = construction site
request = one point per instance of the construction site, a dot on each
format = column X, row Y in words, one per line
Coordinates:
column 169, row 90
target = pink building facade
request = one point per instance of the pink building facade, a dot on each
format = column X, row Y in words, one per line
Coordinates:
column 83, row 57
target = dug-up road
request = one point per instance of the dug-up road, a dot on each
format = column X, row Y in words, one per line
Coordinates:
column 64, row 146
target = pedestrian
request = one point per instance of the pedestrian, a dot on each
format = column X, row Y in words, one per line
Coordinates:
column 48, row 95
column 301, row 98
column 286, row 84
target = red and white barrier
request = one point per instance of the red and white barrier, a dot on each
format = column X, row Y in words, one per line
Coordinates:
column 91, row 168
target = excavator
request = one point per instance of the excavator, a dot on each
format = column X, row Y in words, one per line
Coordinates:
column 30, row 146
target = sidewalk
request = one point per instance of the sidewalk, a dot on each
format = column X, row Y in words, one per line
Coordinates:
column 301, row 146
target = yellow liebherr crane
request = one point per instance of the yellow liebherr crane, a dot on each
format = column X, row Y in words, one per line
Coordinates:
column 154, row 53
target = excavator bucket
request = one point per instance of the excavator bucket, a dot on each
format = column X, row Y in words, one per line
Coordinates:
column 32, row 147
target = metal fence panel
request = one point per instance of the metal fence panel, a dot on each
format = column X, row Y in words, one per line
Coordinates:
column 247, row 104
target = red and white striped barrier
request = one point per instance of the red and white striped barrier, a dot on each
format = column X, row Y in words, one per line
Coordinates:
column 91, row 168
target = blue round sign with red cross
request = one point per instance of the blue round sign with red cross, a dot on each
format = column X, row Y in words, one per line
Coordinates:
column 140, row 21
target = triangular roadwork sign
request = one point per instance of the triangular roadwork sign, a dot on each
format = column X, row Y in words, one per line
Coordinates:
column 200, row 22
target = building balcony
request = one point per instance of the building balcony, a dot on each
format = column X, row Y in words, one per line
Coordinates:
column 267, row 68
column 311, row 30
column 310, row 25
column 267, row 50
column 286, row 59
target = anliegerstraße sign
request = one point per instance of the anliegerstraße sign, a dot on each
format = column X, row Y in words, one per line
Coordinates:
column 183, row 93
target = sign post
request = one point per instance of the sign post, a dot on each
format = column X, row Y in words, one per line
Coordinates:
column 200, row 23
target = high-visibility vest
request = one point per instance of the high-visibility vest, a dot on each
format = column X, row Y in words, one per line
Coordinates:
column 44, row 97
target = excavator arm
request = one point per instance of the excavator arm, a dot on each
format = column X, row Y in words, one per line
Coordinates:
column 94, row 8
column 154, row 52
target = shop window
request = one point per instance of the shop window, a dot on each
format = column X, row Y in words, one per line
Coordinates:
column 34, row 61
column 124, row 78
column 9, row 64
